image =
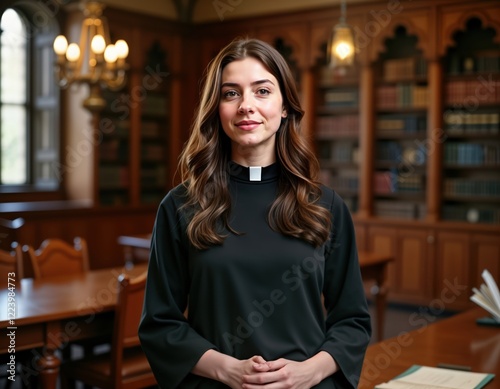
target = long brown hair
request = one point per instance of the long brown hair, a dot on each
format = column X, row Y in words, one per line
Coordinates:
column 204, row 160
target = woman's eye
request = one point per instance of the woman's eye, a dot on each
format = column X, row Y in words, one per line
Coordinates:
column 263, row 92
column 229, row 94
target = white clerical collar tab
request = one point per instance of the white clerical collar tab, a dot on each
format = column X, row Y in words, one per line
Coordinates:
column 255, row 173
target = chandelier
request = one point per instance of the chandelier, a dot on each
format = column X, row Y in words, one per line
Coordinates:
column 340, row 49
column 94, row 61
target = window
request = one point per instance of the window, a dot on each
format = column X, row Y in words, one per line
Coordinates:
column 29, row 98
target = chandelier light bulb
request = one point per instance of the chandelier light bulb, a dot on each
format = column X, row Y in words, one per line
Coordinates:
column 60, row 45
column 121, row 48
column 98, row 44
column 110, row 54
column 73, row 52
column 343, row 50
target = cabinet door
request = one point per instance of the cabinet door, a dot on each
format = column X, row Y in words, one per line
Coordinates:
column 485, row 255
column 383, row 240
column 413, row 271
column 453, row 281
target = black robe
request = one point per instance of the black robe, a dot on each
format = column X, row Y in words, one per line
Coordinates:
column 258, row 293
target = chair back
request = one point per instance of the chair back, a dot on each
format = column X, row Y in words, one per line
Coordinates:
column 127, row 317
column 56, row 257
column 9, row 232
column 11, row 266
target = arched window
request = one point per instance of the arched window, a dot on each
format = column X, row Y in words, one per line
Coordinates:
column 29, row 98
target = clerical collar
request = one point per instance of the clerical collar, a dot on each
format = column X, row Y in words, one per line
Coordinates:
column 253, row 173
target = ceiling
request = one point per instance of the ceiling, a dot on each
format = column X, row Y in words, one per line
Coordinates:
column 201, row 11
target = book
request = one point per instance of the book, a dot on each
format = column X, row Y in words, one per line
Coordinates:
column 488, row 295
column 425, row 377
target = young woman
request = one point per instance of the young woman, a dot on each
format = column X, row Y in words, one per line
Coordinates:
column 263, row 254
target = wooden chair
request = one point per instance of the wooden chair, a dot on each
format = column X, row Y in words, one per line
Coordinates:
column 125, row 366
column 57, row 257
column 9, row 232
column 11, row 268
column 11, row 262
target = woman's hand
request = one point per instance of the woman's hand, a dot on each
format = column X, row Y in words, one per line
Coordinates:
column 286, row 374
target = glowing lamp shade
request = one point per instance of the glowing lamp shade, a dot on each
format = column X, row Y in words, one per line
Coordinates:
column 98, row 44
column 73, row 52
column 341, row 46
column 110, row 54
column 121, row 48
column 60, row 45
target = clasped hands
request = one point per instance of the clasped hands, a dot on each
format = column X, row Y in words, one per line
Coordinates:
column 257, row 373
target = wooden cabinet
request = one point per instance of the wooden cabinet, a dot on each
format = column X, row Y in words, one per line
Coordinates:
column 411, row 273
column 453, row 268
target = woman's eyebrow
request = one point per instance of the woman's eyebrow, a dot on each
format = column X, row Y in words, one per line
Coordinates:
column 234, row 84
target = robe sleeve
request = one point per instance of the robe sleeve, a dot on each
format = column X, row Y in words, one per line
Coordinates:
column 171, row 345
column 348, row 325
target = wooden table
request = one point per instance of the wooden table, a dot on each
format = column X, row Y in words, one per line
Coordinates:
column 374, row 268
column 457, row 340
column 51, row 312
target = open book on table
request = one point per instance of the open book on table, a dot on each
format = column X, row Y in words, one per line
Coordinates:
column 488, row 296
column 424, row 377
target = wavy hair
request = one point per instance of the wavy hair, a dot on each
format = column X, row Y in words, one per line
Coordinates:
column 204, row 161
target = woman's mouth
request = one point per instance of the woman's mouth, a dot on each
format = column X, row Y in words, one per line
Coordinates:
column 247, row 125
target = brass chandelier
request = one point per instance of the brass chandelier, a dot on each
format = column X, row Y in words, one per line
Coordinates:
column 94, row 61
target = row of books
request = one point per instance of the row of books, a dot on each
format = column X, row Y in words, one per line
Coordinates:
column 463, row 122
column 401, row 123
column 344, row 152
column 472, row 154
column 150, row 129
column 476, row 214
column 152, row 177
column 340, row 98
column 387, row 182
column 467, row 64
column 341, row 125
column 330, row 76
column 472, row 187
column 155, row 104
column 113, row 198
column 115, row 127
column 152, row 152
column 113, row 150
column 402, row 96
column 342, row 183
column 113, row 177
column 399, row 209
column 471, row 93
column 404, row 68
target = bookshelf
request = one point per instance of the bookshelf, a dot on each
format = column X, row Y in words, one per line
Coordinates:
column 337, row 131
column 155, row 130
column 399, row 174
column 113, row 151
column 471, row 155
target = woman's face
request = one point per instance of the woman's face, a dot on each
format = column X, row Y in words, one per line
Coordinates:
column 250, row 110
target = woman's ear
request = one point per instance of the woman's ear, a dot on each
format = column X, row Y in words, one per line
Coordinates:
column 284, row 113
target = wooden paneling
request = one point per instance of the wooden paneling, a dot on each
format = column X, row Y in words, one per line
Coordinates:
column 453, row 267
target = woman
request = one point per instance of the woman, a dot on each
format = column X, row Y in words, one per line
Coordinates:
column 252, row 241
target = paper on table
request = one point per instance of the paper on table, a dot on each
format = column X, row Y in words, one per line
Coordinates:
column 437, row 378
